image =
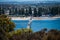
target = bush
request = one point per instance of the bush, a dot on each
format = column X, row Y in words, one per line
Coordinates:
column 40, row 35
column 6, row 25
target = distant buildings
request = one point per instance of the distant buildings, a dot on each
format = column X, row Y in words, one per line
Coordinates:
column 24, row 11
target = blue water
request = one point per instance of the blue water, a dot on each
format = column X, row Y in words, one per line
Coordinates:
column 37, row 25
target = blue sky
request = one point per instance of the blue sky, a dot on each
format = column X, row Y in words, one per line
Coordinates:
column 27, row 0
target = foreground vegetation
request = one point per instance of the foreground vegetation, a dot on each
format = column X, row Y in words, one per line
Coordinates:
column 6, row 26
column 7, row 32
column 40, row 35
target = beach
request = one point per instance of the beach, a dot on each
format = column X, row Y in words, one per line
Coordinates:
column 34, row 18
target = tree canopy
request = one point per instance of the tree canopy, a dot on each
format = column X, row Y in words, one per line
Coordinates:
column 6, row 25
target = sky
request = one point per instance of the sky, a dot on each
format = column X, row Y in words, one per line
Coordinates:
column 26, row 0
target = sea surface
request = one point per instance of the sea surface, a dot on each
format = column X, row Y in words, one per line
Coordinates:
column 37, row 25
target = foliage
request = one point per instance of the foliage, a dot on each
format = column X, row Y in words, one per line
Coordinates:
column 40, row 35
column 19, row 32
column 54, row 11
column 6, row 25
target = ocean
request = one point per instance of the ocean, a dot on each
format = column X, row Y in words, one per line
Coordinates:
column 37, row 25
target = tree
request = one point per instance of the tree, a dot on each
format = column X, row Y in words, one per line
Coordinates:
column 54, row 11
column 35, row 12
column 1, row 10
column 19, row 11
column 6, row 23
column 22, row 11
column 6, row 26
column 30, row 11
column 39, row 11
column 58, row 10
column 20, row 34
column 27, row 12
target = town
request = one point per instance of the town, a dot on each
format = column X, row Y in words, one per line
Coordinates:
column 26, row 10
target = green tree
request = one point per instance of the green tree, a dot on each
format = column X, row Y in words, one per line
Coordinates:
column 1, row 10
column 6, row 26
column 54, row 10
column 22, row 11
column 39, row 11
column 30, row 11
column 27, row 12
column 35, row 12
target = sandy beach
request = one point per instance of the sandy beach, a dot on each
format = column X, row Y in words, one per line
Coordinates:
column 20, row 18
column 34, row 18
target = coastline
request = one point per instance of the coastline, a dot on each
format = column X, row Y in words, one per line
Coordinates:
column 34, row 18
